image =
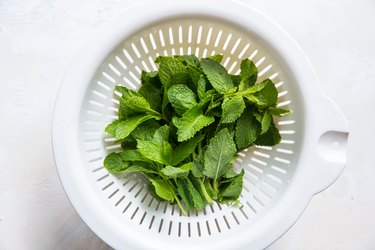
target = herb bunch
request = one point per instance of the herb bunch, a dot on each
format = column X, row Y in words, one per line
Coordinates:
column 184, row 127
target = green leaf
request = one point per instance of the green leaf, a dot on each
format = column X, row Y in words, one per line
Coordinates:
column 232, row 109
column 152, row 191
column 162, row 189
column 124, row 128
column 217, row 75
column 133, row 155
column 195, row 73
column 198, row 201
column 236, row 79
column 177, row 172
column 248, row 69
column 278, row 111
column 185, row 149
column 137, row 103
column 183, row 191
column 134, row 100
column 233, row 188
column 152, row 94
column 124, row 112
column 219, row 153
column 270, row 138
column 188, row 60
column 247, row 129
column 161, row 134
column 217, row 58
column 158, row 152
column 230, row 174
column 201, row 89
column 181, row 98
column 128, row 143
column 170, row 68
column 114, row 163
column 191, row 122
column 265, row 94
column 146, row 130
column 190, row 195
column 247, row 83
column 151, row 78
column 198, row 165
column 111, row 128
column 212, row 193
column 140, row 169
column 266, row 122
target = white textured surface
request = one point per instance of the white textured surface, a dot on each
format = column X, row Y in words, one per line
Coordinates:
column 38, row 39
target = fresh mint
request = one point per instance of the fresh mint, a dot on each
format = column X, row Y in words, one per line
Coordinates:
column 185, row 125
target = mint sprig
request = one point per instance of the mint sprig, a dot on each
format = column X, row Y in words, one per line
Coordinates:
column 184, row 127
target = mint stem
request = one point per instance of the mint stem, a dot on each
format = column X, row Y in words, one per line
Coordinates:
column 204, row 191
column 183, row 211
column 215, row 186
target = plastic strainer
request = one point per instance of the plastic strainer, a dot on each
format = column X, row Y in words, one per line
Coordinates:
column 279, row 181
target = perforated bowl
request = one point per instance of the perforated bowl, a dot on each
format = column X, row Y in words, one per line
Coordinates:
column 279, row 181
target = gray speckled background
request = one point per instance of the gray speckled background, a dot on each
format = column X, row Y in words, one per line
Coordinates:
column 38, row 39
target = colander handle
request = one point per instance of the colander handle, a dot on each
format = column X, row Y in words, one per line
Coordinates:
column 331, row 146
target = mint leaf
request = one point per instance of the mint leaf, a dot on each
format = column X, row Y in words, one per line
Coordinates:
column 191, row 122
column 152, row 191
column 249, row 74
column 161, row 134
column 248, row 69
column 217, row 75
column 278, row 111
column 232, row 109
column 138, row 168
column 125, row 112
column 220, row 151
column 265, row 94
column 177, row 172
column 183, row 150
column 134, row 100
column 247, row 129
column 158, row 152
column 152, row 94
column 111, row 128
column 198, row 166
column 183, row 191
column 162, row 189
column 171, row 71
column 190, row 195
column 217, row 58
column 169, row 68
column 188, row 60
column 266, row 122
column 138, row 104
column 124, row 128
column 128, row 143
column 229, row 174
column 133, row 155
column 150, row 78
column 114, row 163
column 201, row 89
column 232, row 188
column 198, row 201
column 236, row 79
column 270, row 138
column 146, row 130
column 181, row 98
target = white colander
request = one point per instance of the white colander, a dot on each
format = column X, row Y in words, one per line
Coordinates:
column 279, row 181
